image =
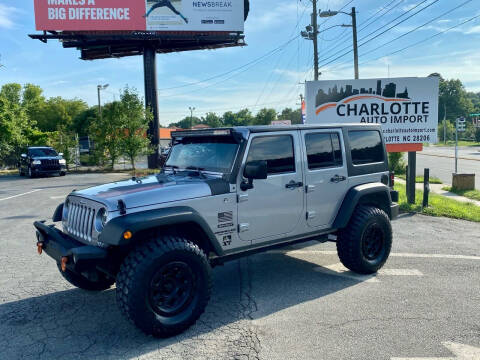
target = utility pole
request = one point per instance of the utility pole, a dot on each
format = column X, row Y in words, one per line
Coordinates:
column 100, row 88
column 311, row 33
column 445, row 124
column 315, row 39
column 355, row 44
column 191, row 116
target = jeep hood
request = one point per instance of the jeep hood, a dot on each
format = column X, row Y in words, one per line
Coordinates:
column 155, row 189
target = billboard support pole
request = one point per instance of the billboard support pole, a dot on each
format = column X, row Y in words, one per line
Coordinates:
column 411, row 176
column 151, row 102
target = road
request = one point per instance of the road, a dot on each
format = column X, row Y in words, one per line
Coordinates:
column 295, row 303
column 441, row 162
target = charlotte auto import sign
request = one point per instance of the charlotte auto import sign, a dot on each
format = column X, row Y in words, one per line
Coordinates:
column 139, row 15
column 407, row 108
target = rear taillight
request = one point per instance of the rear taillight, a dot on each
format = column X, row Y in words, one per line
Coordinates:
column 392, row 179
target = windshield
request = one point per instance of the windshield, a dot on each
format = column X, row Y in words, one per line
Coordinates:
column 210, row 154
column 42, row 152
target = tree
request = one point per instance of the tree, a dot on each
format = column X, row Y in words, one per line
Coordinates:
column 13, row 126
column 64, row 141
column 106, row 133
column 134, row 124
column 58, row 111
column 83, row 120
column 186, row 123
column 213, row 120
column 265, row 116
column 12, row 92
column 294, row 115
column 454, row 97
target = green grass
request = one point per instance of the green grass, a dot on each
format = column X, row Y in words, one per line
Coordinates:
column 471, row 194
column 438, row 206
column 460, row 143
column 419, row 179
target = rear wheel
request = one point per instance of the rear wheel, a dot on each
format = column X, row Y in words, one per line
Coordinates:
column 102, row 283
column 364, row 245
column 164, row 286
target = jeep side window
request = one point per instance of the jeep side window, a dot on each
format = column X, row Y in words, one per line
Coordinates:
column 366, row 147
column 323, row 150
column 276, row 150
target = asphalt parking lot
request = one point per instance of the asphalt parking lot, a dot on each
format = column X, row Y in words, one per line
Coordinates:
column 296, row 303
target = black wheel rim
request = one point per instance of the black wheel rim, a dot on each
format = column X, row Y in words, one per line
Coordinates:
column 373, row 241
column 172, row 288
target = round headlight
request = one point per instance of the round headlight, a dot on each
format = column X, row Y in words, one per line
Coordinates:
column 101, row 219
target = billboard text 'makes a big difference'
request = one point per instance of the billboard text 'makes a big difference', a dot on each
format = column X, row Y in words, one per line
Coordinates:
column 139, row 15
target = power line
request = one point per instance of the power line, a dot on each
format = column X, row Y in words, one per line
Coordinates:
column 417, row 28
column 380, row 16
column 383, row 32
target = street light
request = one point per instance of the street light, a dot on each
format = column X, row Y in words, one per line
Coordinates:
column 353, row 14
column 191, row 116
column 99, row 88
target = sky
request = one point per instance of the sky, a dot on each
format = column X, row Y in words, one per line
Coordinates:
column 410, row 48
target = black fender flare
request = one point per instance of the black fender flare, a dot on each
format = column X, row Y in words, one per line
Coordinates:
column 354, row 197
column 58, row 214
column 112, row 234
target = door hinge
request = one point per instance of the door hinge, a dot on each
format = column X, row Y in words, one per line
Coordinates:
column 309, row 188
column 243, row 227
column 311, row 214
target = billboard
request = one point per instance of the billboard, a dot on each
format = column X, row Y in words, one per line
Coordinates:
column 407, row 108
column 139, row 15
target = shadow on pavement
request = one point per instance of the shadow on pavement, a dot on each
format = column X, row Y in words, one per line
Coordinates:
column 87, row 325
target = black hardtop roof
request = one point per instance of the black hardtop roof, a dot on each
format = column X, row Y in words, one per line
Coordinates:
column 245, row 130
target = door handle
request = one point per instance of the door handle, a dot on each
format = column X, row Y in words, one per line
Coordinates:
column 337, row 179
column 292, row 184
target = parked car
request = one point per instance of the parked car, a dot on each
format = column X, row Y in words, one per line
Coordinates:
column 223, row 194
column 41, row 160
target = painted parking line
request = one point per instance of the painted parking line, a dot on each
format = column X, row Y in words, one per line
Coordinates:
column 339, row 270
column 15, row 196
column 406, row 255
column 461, row 352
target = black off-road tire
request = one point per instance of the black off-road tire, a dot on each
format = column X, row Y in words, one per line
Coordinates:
column 62, row 173
column 82, row 282
column 355, row 247
column 142, row 284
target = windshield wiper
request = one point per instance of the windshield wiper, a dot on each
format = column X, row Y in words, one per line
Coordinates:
column 173, row 167
column 197, row 169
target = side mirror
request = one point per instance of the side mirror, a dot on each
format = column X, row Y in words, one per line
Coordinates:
column 24, row 156
column 254, row 170
column 60, row 154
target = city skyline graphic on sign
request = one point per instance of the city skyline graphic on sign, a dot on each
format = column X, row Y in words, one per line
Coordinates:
column 334, row 95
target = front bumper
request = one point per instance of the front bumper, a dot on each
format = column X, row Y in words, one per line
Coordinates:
column 57, row 245
column 48, row 170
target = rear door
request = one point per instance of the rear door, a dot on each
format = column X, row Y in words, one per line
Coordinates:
column 326, row 175
column 274, row 207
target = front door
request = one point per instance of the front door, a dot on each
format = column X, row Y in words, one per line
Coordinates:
column 326, row 175
column 273, row 208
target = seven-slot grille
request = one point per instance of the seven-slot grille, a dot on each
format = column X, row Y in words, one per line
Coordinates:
column 50, row 163
column 80, row 219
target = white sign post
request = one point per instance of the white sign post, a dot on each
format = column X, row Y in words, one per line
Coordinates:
column 459, row 127
column 407, row 108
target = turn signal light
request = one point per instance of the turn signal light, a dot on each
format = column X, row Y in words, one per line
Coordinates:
column 127, row 235
column 63, row 263
column 39, row 248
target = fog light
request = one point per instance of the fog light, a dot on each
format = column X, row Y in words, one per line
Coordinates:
column 63, row 263
column 127, row 235
column 39, row 248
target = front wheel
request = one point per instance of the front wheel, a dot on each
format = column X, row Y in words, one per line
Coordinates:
column 164, row 286
column 364, row 245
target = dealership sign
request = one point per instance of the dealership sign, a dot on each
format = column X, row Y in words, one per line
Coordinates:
column 139, row 15
column 407, row 108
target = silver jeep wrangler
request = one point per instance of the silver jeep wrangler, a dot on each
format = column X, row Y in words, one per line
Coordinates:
column 223, row 194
